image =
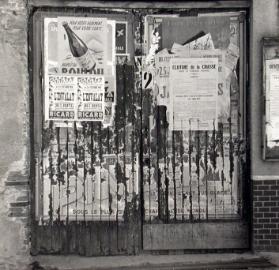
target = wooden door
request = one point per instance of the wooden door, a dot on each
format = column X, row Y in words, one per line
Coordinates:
column 194, row 179
column 86, row 179
column 138, row 184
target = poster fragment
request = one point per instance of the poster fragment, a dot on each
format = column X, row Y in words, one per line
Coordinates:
column 104, row 198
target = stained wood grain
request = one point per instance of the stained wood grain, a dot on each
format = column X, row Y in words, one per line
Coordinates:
column 229, row 235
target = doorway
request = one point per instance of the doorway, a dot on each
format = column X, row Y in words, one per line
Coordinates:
column 161, row 170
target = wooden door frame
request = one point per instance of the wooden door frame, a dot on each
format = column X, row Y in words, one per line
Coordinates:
column 34, row 5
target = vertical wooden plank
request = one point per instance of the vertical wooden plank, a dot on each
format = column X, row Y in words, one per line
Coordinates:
column 74, row 227
column 67, row 189
column 173, row 174
column 181, row 163
column 213, row 156
column 35, row 120
column 94, row 233
column 120, row 175
column 198, row 154
column 190, row 173
column 147, row 154
column 206, row 171
column 133, row 202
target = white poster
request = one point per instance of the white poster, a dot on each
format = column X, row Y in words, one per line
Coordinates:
column 272, row 94
column 193, row 93
column 91, row 95
column 98, row 36
column 82, row 45
column 60, row 98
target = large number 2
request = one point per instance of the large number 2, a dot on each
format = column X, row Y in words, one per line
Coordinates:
column 147, row 79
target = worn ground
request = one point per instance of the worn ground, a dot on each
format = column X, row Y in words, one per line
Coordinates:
column 164, row 262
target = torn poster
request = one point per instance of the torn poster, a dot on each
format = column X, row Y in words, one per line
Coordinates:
column 50, row 49
column 82, row 45
column 179, row 30
column 105, row 195
column 110, row 67
column 162, row 61
column 203, row 43
column 193, row 93
column 232, row 55
column 152, row 24
column 109, row 101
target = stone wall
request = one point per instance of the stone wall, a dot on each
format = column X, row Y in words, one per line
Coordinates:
column 14, row 134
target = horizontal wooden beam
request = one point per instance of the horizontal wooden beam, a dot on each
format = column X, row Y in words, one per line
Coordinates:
column 141, row 4
column 198, row 235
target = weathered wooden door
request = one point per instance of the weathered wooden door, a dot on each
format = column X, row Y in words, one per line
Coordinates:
column 144, row 181
column 86, row 181
column 194, row 178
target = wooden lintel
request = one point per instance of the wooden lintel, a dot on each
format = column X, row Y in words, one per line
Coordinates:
column 141, row 4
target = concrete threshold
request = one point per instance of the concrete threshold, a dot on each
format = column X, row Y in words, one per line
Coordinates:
column 163, row 262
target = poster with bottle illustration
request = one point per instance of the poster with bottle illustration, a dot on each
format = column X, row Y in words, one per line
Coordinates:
column 82, row 45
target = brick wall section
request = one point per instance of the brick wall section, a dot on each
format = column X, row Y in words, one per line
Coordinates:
column 266, row 215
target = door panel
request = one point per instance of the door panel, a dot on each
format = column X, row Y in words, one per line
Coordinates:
column 194, row 179
column 195, row 236
column 87, row 173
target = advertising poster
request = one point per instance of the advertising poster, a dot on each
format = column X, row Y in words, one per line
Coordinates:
column 82, row 45
column 162, row 63
column 193, row 93
column 60, row 97
column 95, row 34
column 91, row 95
